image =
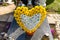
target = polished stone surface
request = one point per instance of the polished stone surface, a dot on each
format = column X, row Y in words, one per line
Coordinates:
column 18, row 34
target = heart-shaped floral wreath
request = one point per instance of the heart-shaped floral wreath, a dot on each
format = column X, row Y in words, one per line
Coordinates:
column 29, row 12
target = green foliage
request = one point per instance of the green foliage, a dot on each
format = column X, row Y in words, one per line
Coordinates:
column 49, row 1
column 59, row 10
column 14, row 1
column 4, row 4
column 55, row 5
column 58, row 0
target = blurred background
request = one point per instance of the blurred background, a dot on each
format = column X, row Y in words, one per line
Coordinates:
column 53, row 15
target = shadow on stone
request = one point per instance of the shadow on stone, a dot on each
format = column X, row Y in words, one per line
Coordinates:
column 24, row 36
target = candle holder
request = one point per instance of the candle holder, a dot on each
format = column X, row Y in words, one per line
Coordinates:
column 30, row 4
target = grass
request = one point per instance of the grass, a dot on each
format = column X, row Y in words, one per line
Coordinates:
column 55, row 5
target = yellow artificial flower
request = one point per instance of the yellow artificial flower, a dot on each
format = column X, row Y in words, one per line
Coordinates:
column 33, row 9
column 36, row 7
column 23, row 11
column 31, row 12
column 45, row 12
column 26, row 8
column 40, row 7
column 26, row 13
column 18, row 8
column 40, row 10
